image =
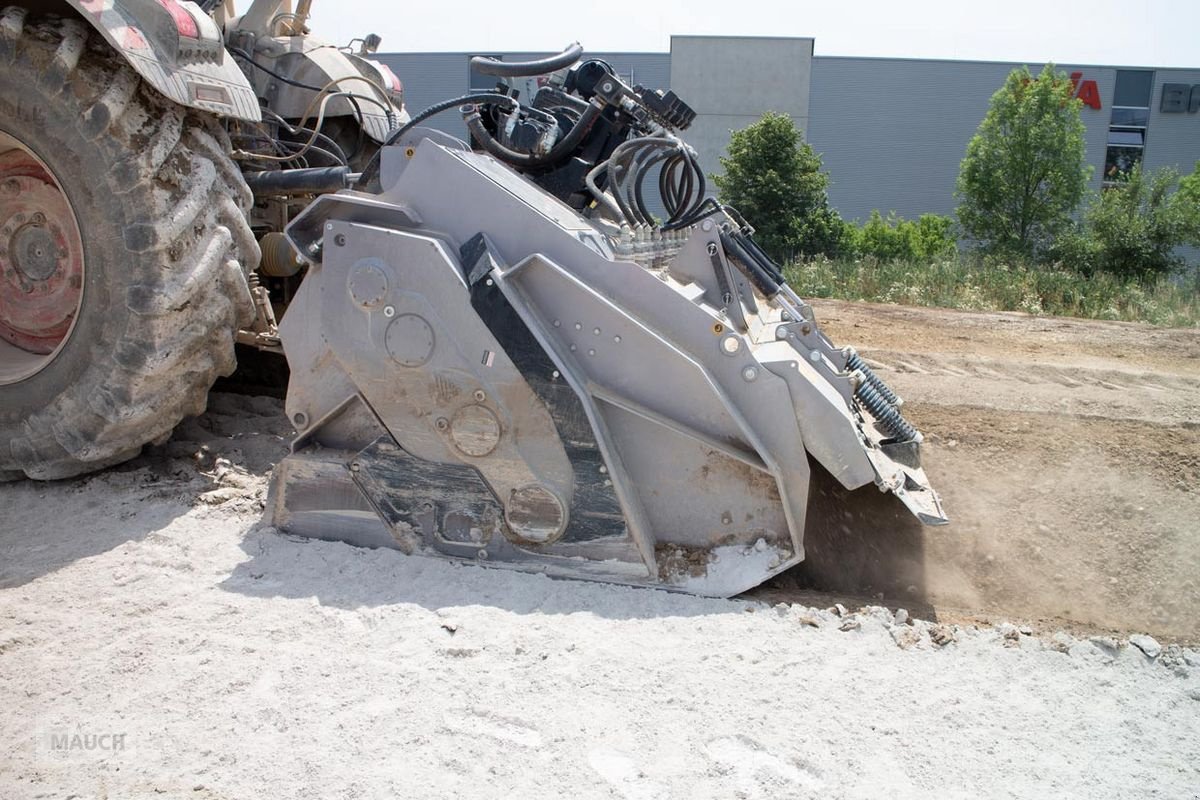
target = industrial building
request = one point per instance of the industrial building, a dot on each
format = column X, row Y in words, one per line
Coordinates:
column 891, row 132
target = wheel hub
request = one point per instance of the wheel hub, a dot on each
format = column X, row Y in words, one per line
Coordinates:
column 41, row 257
column 34, row 252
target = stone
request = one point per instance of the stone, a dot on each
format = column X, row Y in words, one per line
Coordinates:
column 1108, row 645
column 850, row 623
column 901, row 616
column 941, row 635
column 1088, row 651
column 905, row 636
column 1146, row 644
column 1062, row 642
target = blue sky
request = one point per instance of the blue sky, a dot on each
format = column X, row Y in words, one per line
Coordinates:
column 1155, row 33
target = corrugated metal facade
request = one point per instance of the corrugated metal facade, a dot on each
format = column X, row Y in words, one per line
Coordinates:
column 892, row 132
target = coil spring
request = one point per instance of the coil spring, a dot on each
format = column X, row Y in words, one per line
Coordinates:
column 854, row 362
column 884, row 411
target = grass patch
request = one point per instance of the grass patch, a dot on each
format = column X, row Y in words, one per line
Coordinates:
column 968, row 283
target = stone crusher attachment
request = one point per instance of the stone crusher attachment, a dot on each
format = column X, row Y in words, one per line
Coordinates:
column 489, row 367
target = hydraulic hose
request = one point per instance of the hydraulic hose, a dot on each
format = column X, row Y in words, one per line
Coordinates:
column 312, row 180
column 559, row 153
column 371, row 171
column 521, row 69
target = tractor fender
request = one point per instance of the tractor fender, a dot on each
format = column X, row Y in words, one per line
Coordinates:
column 194, row 71
column 312, row 62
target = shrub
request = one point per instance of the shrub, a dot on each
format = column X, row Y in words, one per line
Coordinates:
column 894, row 237
column 1134, row 228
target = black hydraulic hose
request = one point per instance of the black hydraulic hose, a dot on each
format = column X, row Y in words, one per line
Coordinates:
column 312, row 180
column 645, row 168
column 521, row 69
column 334, row 148
column 689, row 198
column 371, row 170
column 668, row 186
column 559, row 153
column 707, row 206
column 750, row 266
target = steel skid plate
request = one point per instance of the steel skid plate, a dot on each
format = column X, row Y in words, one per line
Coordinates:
column 476, row 375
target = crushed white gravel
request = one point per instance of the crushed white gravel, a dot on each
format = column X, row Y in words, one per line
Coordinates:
column 239, row 663
column 155, row 647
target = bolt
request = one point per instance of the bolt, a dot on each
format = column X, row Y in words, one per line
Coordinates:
column 805, row 329
column 781, row 332
column 558, row 323
column 712, row 248
column 354, row 466
column 608, row 87
column 482, row 554
column 38, row 219
column 389, row 311
column 340, row 239
column 814, row 356
column 591, row 352
column 749, row 373
column 707, row 225
column 617, row 339
column 480, row 396
column 441, row 423
column 595, row 331
column 578, row 326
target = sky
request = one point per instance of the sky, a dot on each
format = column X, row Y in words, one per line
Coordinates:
column 1156, row 33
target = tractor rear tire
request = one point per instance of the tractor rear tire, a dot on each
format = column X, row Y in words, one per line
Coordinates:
column 125, row 230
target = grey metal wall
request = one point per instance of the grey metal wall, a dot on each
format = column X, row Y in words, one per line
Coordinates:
column 1172, row 140
column 892, row 132
column 729, row 81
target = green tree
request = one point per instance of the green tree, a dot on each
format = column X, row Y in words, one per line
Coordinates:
column 774, row 178
column 1024, row 173
column 1134, row 227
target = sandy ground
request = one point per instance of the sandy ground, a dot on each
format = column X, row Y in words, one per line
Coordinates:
column 156, row 641
column 1067, row 453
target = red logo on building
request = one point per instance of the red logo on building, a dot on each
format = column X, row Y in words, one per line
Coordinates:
column 1087, row 91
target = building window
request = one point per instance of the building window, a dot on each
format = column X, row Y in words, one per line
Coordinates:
column 1128, row 124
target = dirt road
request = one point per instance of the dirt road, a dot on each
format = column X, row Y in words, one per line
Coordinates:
column 1067, row 453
